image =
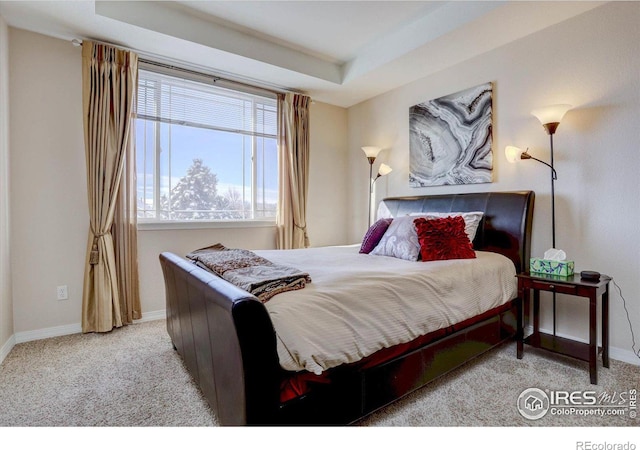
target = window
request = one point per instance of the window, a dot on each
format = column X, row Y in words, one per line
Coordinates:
column 205, row 151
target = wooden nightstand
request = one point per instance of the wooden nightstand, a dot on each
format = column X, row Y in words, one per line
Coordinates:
column 572, row 285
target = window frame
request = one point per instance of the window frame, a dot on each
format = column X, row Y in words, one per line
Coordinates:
column 157, row 223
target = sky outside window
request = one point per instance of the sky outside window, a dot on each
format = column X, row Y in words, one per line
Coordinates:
column 232, row 135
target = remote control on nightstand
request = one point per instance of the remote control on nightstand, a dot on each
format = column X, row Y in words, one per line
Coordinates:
column 590, row 275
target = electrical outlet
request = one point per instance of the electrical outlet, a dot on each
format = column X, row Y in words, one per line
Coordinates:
column 63, row 294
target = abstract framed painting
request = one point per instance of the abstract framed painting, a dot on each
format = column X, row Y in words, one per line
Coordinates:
column 450, row 139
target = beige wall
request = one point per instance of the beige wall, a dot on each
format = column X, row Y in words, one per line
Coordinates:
column 591, row 62
column 48, row 182
column 327, row 223
column 6, row 305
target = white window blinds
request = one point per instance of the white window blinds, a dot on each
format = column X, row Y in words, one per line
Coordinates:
column 203, row 104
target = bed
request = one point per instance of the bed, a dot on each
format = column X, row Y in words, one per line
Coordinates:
column 280, row 362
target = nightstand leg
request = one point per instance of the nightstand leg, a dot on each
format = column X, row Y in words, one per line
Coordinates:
column 536, row 317
column 605, row 327
column 593, row 340
column 519, row 328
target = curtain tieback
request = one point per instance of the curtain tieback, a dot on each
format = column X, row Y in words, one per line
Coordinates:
column 94, row 256
column 304, row 233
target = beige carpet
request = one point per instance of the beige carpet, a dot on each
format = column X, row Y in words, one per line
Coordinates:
column 132, row 377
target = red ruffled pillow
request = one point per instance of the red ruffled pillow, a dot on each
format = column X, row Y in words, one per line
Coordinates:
column 443, row 239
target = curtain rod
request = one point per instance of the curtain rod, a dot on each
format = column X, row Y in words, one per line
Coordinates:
column 153, row 59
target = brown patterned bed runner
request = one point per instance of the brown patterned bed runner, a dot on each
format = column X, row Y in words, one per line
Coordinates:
column 248, row 271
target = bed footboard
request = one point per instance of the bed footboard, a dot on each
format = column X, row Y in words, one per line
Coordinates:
column 226, row 340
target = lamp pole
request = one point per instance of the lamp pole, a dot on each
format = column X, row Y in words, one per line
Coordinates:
column 551, row 129
column 371, row 153
column 371, row 161
column 553, row 198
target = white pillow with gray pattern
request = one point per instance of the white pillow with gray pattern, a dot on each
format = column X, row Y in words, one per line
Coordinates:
column 400, row 240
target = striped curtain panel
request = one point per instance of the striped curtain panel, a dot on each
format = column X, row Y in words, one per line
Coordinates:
column 293, row 157
column 109, row 82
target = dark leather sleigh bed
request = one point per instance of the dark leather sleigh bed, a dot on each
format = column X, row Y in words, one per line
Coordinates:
column 228, row 343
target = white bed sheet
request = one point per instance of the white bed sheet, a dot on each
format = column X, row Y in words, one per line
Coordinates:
column 358, row 304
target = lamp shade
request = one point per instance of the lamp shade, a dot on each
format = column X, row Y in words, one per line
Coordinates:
column 371, row 152
column 551, row 114
column 384, row 170
column 512, row 153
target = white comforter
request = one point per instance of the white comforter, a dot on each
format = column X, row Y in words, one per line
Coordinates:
column 358, row 304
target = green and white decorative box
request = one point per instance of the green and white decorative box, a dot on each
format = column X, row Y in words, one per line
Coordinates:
column 550, row 267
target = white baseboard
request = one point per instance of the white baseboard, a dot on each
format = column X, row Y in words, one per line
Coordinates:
column 152, row 315
column 44, row 333
column 619, row 354
column 63, row 330
column 6, row 348
column 75, row 328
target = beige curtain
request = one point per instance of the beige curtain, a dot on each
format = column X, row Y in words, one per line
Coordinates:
column 125, row 238
column 109, row 83
column 293, row 154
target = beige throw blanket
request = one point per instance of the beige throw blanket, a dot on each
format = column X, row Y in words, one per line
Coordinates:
column 249, row 271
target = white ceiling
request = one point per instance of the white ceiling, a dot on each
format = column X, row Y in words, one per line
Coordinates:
column 338, row 52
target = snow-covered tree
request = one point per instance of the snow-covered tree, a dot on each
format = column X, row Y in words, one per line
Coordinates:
column 195, row 195
column 231, row 205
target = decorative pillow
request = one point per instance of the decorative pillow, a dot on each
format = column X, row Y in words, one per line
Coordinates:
column 400, row 240
column 471, row 219
column 443, row 238
column 374, row 234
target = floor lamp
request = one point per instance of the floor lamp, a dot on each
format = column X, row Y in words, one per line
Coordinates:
column 372, row 153
column 549, row 117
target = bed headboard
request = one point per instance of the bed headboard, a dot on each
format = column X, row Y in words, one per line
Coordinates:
column 505, row 227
